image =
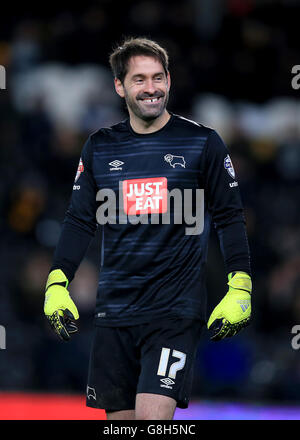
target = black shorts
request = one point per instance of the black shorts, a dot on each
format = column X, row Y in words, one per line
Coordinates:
column 156, row 357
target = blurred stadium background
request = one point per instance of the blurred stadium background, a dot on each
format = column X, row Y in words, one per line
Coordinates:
column 230, row 63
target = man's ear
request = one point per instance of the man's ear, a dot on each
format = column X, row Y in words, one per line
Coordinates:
column 119, row 87
column 169, row 81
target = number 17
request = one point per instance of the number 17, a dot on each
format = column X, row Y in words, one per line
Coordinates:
column 175, row 366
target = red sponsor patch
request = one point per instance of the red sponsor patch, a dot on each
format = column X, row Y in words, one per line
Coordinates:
column 145, row 196
column 80, row 170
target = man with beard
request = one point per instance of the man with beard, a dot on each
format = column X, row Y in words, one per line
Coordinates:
column 151, row 300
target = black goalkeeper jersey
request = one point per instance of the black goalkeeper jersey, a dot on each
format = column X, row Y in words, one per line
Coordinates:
column 152, row 269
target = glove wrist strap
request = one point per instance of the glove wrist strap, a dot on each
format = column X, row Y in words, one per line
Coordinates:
column 57, row 277
column 240, row 281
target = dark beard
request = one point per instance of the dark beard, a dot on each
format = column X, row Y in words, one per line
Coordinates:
column 146, row 117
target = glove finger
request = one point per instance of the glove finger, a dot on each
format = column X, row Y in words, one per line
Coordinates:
column 220, row 329
column 69, row 322
column 216, row 315
column 73, row 311
column 216, row 326
column 57, row 323
column 230, row 330
column 242, row 324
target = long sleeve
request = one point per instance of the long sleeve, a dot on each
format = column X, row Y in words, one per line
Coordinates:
column 225, row 206
column 80, row 223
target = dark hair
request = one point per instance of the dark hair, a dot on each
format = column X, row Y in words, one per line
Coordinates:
column 130, row 47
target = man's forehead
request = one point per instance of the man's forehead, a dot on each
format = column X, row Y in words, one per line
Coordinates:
column 143, row 62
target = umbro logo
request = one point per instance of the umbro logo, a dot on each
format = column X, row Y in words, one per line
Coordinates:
column 116, row 165
column 167, row 383
column 91, row 393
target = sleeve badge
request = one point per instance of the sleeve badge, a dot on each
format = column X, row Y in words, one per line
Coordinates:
column 80, row 170
column 229, row 167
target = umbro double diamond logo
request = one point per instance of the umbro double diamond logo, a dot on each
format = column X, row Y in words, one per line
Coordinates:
column 91, row 393
column 116, row 165
column 167, row 382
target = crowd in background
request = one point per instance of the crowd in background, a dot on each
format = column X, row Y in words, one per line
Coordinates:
column 230, row 64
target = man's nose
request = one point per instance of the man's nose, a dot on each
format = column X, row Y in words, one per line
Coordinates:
column 149, row 87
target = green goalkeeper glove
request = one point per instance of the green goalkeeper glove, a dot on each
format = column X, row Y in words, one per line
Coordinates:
column 233, row 313
column 59, row 308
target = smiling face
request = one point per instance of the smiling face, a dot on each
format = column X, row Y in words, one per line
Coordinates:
column 145, row 88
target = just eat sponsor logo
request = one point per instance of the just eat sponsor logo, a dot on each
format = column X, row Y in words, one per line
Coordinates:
column 145, row 196
column 140, row 201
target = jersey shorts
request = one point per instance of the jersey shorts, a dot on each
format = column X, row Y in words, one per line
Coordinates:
column 156, row 357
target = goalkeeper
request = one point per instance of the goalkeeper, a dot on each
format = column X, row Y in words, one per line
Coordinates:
column 151, row 299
